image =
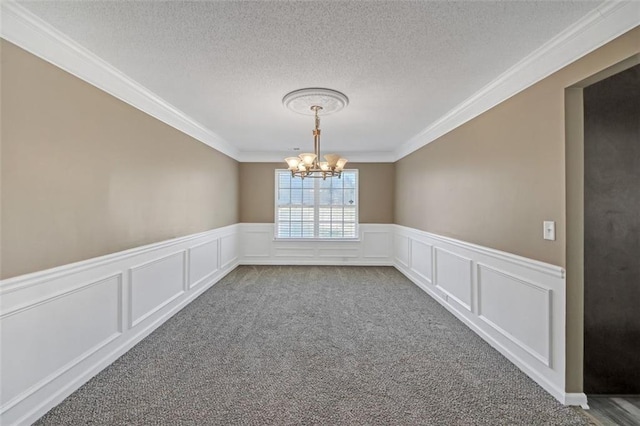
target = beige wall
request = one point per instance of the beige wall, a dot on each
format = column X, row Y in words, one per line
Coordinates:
column 495, row 179
column 257, row 186
column 84, row 174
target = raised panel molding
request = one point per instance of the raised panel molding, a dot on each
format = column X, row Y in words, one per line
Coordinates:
column 91, row 311
column 422, row 260
column 401, row 246
column 203, row 262
column 155, row 284
column 256, row 243
column 526, row 319
column 453, row 274
column 515, row 304
column 228, row 250
column 87, row 305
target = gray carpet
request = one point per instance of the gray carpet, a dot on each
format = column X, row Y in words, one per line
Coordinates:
column 283, row 345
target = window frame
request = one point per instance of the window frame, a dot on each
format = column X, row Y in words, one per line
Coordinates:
column 316, row 207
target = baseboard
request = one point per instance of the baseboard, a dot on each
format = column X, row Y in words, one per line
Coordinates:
column 120, row 298
column 576, row 399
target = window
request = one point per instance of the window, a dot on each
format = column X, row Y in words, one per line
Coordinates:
column 317, row 208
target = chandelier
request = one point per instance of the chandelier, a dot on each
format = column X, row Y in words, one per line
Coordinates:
column 317, row 101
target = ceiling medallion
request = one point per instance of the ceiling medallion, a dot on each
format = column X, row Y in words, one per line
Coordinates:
column 302, row 100
column 316, row 102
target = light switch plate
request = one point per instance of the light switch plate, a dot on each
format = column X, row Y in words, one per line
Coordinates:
column 549, row 230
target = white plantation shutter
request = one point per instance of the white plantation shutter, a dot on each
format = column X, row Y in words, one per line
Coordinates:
column 317, row 208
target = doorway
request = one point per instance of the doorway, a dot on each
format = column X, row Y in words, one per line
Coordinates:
column 612, row 235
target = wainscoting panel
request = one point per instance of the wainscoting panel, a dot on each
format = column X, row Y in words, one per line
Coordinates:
column 518, row 309
column 377, row 244
column 155, row 284
column 422, row 260
column 257, row 243
column 64, row 329
column 516, row 304
column 229, row 249
column 401, row 249
column 203, row 262
column 62, row 326
column 259, row 247
column 453, row 276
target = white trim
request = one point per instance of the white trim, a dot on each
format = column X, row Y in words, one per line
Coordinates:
column 83, row 287
column 132, row 283
column 206, row 277
column 431, row 260
column 46, row 380
column 576, row 399
column 32, row 396
column 436, row 274
column 63, row 392
column 352, row 156
column 600, row 26
column 547, row 371
column 547, row 292
column 546, row 384
column 24, row 29
column 62, row 294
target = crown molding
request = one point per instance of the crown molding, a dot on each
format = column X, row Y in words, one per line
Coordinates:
column 605, row 23
column 26, row 30
column 279, row 156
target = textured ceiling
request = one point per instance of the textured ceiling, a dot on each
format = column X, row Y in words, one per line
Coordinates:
column 227, row 65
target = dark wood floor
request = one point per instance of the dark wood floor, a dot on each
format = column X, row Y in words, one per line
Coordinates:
column 615, row 410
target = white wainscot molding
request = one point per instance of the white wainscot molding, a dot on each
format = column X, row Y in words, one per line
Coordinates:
column 259, row 247
column 516, row 304
column 62, row 326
